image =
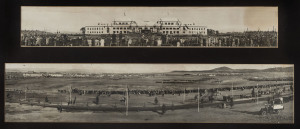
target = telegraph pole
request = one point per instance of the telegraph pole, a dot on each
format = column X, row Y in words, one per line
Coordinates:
column 25, row 93
column 70, row 90
column 127, row 98
column 184, row 95
column 232, row 89
column 198, row 98
column 257, row 94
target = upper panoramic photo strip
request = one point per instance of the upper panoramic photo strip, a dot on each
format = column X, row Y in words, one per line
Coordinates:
column 157, row 27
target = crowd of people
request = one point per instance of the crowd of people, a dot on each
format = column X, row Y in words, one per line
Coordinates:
column 253, row 39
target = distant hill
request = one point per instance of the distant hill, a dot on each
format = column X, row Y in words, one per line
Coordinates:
column 229, row 70
column 279, row 69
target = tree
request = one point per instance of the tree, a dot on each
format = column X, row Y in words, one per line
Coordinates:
column 82, row 30
column 155, row 100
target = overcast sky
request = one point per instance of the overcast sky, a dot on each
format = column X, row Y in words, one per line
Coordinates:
column 129, row 68
column 225, row 19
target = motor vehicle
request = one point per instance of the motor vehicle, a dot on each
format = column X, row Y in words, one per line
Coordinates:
column 271, row 109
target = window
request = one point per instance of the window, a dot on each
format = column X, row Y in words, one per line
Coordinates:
column 177, row 32
column 172, row 23
column 117, row 31
column 166, row 23
column 114, row 31
column 164, row 32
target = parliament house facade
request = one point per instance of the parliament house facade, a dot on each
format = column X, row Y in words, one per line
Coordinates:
column 165, row 26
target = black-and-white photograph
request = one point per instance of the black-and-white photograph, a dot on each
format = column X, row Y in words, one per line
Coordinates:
column 154, row 93
column 171, row 27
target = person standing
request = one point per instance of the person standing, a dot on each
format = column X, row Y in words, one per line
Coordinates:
column 102, row 42
column 48, row 40
column 97, row 42
column 159, row 42
column 129, row 42
column 208, row 42
column 27, row 41
column 233, row 42
column 89, row 42
column 114, row 39
column 178, row 43
column 38, row 41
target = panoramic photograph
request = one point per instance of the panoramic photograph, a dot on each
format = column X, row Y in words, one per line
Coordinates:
column 149, row 93
column 172, row 27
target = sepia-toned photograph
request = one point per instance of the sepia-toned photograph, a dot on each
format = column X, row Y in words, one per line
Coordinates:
column 149, row 93
column 154, row 27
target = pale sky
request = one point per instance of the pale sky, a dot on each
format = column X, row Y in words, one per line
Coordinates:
column 224, row 19
column 129, row 68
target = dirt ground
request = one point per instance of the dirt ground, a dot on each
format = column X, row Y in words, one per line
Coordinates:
column 240, row 113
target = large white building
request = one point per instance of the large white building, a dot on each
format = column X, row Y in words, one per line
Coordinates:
column 168, row 26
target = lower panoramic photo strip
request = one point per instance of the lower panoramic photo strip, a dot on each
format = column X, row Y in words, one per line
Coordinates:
column 149, row 93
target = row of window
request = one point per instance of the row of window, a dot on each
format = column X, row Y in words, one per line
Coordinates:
column 121, row 23
column 120, row 28
column 95, row 32
column 170, row 32
column 193, row 32
column 170, row 28
column 164, row 28
column 198, row 28
column 97, row 28
column 174, row 32
column 171, row 23
column 124, row 32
